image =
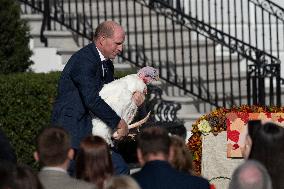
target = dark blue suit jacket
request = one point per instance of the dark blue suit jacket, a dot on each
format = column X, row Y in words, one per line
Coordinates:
column 160, row 175
column 7, row 153
column 78, row 95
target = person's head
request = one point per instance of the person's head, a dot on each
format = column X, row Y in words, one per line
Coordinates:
column 7, row 152
column 109, row 38
column 268, row 148
column 121, row 182
column 54, row 147
column 153, row 143
column 267, row 140
column 253, row 126
column 250, row 175
column 93, row 163
column 14, row 176
column 182, row 157
column 6, row 174
column 25, row 178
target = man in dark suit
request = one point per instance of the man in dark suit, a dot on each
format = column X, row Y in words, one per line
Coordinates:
column 81, row 80
column 153, row 151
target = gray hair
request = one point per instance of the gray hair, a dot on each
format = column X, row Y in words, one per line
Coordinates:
column 106, row 29
column 250, row 175
column 121, row 182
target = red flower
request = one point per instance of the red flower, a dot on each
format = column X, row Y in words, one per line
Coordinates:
column 212, row 186
column 244, row 116
column 228, row 124
column 268, row 114
column 233, row 135
column 280, row 120
column 235, row 146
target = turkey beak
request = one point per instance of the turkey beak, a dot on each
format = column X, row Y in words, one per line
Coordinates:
column 155, row 78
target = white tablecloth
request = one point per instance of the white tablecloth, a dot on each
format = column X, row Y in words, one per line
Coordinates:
column 214, row 160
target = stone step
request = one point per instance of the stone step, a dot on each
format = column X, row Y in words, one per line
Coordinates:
column 189, row 119
column 98, row 8
column 234, row 86
column 136, row 23
column 187, row 105
column 57, row 39
column 208, row 71
column 34, row 22
column 66, row 54
column 148, row 40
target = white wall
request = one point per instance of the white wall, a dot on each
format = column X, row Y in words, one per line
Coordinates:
column 45, row 59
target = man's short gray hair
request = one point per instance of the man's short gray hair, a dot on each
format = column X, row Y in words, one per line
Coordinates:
column 105, row 29
column 250, row 175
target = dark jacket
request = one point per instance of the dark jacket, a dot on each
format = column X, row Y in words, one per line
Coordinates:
column 6, row 151
column 161, row 175
column 78, row 95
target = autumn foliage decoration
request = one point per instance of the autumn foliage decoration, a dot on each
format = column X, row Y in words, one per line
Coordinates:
column 215, row 122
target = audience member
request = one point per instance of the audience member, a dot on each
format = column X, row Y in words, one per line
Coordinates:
column 250, row 175
column 153, row 152
column 253, row 126
column 121, row 182
column 25, row 178
column 54, row 152
column 94, row 161
column 182, row 157
column 267, row 147
column 6, row 171
column 14, row 176
column 6, row 150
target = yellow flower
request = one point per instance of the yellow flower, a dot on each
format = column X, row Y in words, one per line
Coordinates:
column 204, row 126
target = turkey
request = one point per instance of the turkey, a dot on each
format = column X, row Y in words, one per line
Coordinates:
column 118, row 95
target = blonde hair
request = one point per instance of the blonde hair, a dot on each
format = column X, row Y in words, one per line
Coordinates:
column 121, row 182
column 182, row 156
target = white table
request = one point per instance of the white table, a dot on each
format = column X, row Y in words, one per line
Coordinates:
column 214, row 160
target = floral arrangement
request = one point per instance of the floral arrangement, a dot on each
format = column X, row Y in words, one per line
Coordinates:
column 215, row 122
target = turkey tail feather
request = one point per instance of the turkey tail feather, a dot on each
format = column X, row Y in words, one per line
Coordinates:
column 133, row 125
column 139, row 123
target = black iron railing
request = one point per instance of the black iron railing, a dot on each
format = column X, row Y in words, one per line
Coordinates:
column 258, row 22
column 191, row 55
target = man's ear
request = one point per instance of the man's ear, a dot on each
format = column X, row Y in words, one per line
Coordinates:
column 70, row 154
column 36, row 156
column 171, row 153
column 247, row 148
column 140, row 157
column 101, row 40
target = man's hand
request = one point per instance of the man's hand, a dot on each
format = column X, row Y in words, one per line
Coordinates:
column 138, row 98
column 122, row 130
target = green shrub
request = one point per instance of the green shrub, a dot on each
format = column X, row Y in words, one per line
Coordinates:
column 122, row 73
column 25, row 108
column 14, row 39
